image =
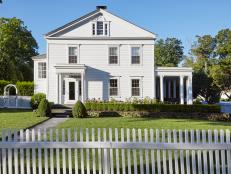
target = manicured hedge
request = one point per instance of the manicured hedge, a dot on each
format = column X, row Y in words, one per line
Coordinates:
column 25, row 88
column 152, row 107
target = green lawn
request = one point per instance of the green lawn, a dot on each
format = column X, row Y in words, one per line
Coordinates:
column 122, row 122
column 18, row 119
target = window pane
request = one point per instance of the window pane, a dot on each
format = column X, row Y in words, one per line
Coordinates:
column 113, row 88
column 93, row 29
column 73, row 51
column 99, row 28
column 113, row 55
column 105, row 29
column 135, row 55
column 135, row 83
column 135, row 87
column 42, row 70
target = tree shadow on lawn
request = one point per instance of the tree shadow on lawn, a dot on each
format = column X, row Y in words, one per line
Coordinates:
column 5, row 110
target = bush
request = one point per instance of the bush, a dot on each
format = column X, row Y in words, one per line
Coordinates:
column 152, row 107
column 36, row 99
column 79, row 110
column 3, row 83
column 44, row 109
column 25, row 88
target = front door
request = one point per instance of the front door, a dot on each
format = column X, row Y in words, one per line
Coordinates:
column 71, row 90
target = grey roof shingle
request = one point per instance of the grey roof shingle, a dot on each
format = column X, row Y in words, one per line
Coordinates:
column 41, row 56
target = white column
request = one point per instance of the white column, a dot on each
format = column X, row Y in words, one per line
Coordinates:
column 82, row 86
column 60, row 88
column 181, row 89
column 189, row 91
column 169, row 88
column 161, row 88
column 174, row 89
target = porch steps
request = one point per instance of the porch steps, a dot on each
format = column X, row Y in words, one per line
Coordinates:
column 58, row 110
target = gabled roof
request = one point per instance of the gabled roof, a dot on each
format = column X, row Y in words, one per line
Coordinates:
column 85, row 17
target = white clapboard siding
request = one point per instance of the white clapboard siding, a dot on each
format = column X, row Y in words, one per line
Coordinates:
column 115, row 151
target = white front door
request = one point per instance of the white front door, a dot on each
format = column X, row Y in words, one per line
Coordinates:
column 71, row 90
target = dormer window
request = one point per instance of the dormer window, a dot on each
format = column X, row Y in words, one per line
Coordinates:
column 100, row 28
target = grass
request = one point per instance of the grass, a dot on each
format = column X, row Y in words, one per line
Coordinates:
column 18, row 119
column 122, row 122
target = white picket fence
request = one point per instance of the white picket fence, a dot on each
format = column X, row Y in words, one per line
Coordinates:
column 115, row 151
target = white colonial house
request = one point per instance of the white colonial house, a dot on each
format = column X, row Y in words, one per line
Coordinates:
column 102, row 56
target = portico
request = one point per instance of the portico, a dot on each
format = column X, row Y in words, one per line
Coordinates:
column 174, row 85
column 71, row 83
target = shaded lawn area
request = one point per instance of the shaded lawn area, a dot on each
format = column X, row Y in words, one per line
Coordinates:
column 18, row 119
column 154, row 123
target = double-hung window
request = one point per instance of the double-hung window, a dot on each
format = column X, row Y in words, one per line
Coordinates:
column 42, row 67
column 99, row 28
column 135, row 87
column 135, row 51
column 113, row 55
column 113, row 87
column 73, row 54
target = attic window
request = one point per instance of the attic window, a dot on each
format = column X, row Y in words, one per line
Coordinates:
column 100, row 28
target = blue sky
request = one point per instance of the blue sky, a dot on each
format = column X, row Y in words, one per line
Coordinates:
column 183, row 19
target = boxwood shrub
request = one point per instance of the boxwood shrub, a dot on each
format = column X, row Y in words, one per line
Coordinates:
column 94, row 106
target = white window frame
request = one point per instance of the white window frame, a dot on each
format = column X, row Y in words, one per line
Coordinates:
column 118, row 55
column 140, row 86
column 141, row 55
column 104, row 23
column 118, row 87
column 78, row 53
column 40, row 71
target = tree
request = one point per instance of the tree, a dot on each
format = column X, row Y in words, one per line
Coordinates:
column 223, row 39
column 221, row 74
column 17, row 46
column 168, row 52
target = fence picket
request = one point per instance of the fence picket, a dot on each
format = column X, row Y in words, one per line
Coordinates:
column 9, row 153
column 228, row 151
column 170, row 154
column 93, row 151
column 193, row 153
column 27, row 153
column 15, row 154
column 181, row 153
column 4, row 168
column 175, row 152
column 64, row 153
column 99, row 153
column 76, row 152
column 211, row 166
column 45, row 152
column 141, row 152
column 204, row 152
column 39, row 153
column 81, row 151
column 69, row 152
column 117, row 152
column 217, row 153
column 158, row 152
column 51, row 154
column 223, row 170
column 134, row 151
column 122, row 151
column 198, row 153
column 57, row 153
column 187, row 153
column 129, row 152
column 105, row 161
column 87, row 152
column 164, row 153
column 33, row 153
column 146, row 152
column 111, row 152
column 152, row 152
column 21, row 153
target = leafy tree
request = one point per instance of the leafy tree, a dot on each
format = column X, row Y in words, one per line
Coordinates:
column 223, row 39
column 168, row 52
column 17, row 46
